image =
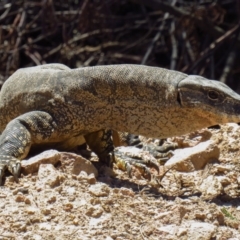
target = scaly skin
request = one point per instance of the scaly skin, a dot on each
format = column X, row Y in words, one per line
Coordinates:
column 59, row 107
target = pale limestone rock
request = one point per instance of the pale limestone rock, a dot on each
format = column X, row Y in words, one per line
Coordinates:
column 82, row 176
column 99, row 190
column 45, row 226
column 94, row 211
column 200, row 231
column 210, row 187
column 168, row 230
column 73, row 163
column 32, row 164
column 194, row 158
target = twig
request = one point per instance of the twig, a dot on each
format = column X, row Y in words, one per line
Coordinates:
column 174, row 47
column 33, row 57
column 6, row 12
column 164, row 7
column 212, row 67
column 157, row 36
column 228, row 66
column 125, row 57
column 97, row 48
column 188, row 46
column 177, row 12
column 213, row 46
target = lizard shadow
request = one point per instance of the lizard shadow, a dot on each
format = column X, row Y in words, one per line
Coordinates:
column 155, row 192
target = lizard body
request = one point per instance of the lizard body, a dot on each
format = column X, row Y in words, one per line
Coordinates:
column 60, row 107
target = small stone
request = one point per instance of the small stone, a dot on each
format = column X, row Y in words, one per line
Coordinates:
column 224, row 180
column 126, row 192
column 31, row 210
column 82, row 176
column 94, row 211
column 181, row 232
column 210, row 187
column 52, row 199
column 91, row 179
column 99, row 190
column 238, row 180
column 20, row 190
column 169, row 230
column 48, row 175
column 200, row 231
column 75, row 221
column 20, row 198
column 35, row 237
column 46, row 211
column 27, row 200
column 222, row 168
column 201, row 215
column 23, row 228
column 68, row 207
column 108, row 238
column 45, row 226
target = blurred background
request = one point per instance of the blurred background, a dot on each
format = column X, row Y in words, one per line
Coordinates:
column 193, row 36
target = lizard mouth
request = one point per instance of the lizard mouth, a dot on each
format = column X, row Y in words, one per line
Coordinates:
column 179, row 98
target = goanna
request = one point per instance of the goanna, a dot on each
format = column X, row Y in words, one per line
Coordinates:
column 58, row 107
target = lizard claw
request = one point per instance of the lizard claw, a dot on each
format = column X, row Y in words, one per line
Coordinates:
column 15, row 168
column 126, row 163
column 12, row 164
column 140, row 166
column 2, row 170
column 1, row 176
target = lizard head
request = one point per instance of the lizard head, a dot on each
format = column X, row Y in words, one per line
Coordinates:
column 209, row 99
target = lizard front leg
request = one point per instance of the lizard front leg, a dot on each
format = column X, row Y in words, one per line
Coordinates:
column 19, row 135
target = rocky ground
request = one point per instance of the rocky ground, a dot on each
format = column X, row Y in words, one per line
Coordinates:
column 195, row 196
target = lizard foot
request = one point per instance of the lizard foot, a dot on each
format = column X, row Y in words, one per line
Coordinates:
column 126, row 163
column 12, row 164
column 163, row 152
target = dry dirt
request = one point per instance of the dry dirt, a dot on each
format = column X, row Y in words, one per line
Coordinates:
column 58, row 203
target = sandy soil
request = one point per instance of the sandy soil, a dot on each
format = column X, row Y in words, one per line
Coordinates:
column 55, row 203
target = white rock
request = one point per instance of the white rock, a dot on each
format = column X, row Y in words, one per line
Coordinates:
column 32, row 164
column 37, row 237
column 32, row 210
column 200, row 231
column 169, row 229
column 210, row 187
column 194, row 158
column 99, row 190
column 45, row 226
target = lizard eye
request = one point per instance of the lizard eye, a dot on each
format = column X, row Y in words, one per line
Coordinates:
column 213, row 95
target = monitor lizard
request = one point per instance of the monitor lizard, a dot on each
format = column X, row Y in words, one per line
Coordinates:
column 58, row 107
